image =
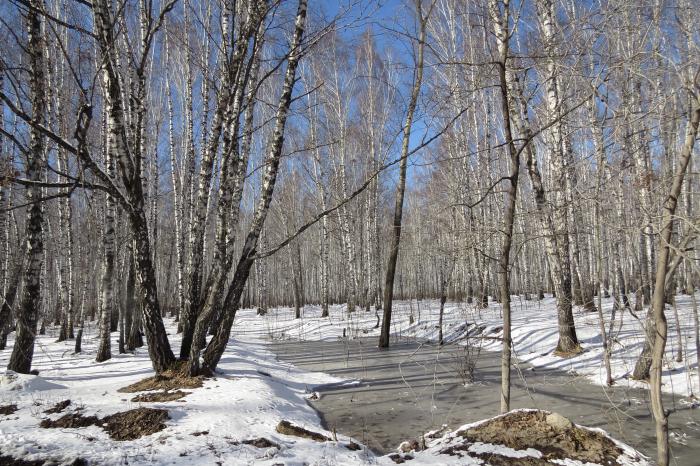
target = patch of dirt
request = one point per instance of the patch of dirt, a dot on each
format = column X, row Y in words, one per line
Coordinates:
column 171, row 379
column 287, row 428
column 127, row 425
column 135, row 423
column 70, row 421
column 8, row 409
column 553, row 435
column 398, row 459
column 58, row 407
column 261, row 443
column 159, row 396
column 353, row 446
column 494, row 459
column 203, row 432
column 10, row 461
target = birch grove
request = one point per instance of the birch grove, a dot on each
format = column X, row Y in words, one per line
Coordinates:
column 184, row 159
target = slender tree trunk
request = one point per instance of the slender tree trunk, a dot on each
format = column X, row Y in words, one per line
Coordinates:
column 696, row 324
column 658, row 300
column 598, row 143
column 104, row 351
column 500, row 24
column 401, row 187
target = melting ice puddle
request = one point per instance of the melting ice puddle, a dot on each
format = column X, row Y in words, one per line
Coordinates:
column 410, row 389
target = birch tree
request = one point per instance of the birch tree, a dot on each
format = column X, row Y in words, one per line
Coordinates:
column 403, row 168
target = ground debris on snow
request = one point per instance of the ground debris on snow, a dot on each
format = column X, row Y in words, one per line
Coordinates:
column 552, row 434
column 166, row 381
column 261, row 442
column 532, row 438
column 58, row 407
column 159, row 396
column 287, row 428
column 70, row 421
column 126, row 425
column 135, row 423
column 10, row 461
column 400, row 459
column 8, row 409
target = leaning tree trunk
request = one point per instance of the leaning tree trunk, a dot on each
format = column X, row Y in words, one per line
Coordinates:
column 9, row 301
column 218, row 343
column 658, row 301
column 401, row 187
column 128, row 160
column 23, row 349
column 221, row 119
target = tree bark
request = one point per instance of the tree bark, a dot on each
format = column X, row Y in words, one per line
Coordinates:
column 23, row 349
column 401, row 187
column 218, row 343
column 658, row 300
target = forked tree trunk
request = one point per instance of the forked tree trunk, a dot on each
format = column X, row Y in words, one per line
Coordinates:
column 501, row 29
column 658, row 301
column 222, row 118
column 218, row 343
column 129, row 160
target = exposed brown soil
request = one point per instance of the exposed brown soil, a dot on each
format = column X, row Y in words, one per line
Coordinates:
column 261, row 443
column 135, row 423
column 398, row 459
column 568, row 354
column 10, row 461
column 353, row 446
column 8, row 409
column 70, row 421
column 553, row 435
column 169, row 380
column 159, row 396
column 287, row 428
column 494, row 459
column 58, row 407
column 202, row 432
column 127, row 425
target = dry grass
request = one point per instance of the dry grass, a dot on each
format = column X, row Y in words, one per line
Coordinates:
column 554, row 436
column 287, row 428
column 172, row 379
column 159, row 396
column 135, row 423
column 126, row 425
column 58, row 407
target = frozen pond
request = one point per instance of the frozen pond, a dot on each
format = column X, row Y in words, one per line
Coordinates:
column 413, row 388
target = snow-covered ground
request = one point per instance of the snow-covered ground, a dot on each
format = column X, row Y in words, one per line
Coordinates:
column 254, row 391
column 534, row 332
column 246, row 401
